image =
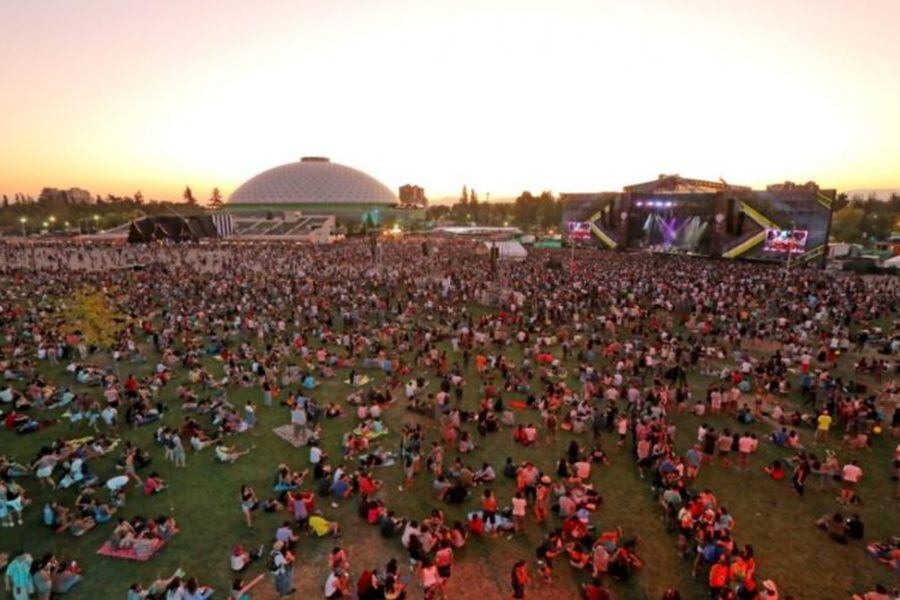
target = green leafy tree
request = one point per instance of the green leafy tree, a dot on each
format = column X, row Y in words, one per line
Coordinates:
column 94, row 318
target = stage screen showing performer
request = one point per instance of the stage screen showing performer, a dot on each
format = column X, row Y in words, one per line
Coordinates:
column 578, row 231
column 792, row 241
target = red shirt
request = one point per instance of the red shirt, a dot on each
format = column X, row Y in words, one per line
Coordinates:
column 718, row 575
column 476, row 526
column 366, row 486
column 596, row 592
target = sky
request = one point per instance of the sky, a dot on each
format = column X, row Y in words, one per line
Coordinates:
column 500, row 95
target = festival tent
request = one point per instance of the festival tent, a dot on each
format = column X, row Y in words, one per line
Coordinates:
column 171, row 227
column 892, row 263
column 510, row 250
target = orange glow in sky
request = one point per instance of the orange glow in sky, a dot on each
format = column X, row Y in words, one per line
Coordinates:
column 501, row 95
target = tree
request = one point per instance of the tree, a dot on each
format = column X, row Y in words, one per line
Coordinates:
column 5, row 201
column 91, row 315
column 473, row 197
column 841, row 202
column 464, row 199
column 138, row 197
column 215, row 201
column 188, row 196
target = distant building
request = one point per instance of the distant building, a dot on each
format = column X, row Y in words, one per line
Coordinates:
column 413, row 195
column 69, row 196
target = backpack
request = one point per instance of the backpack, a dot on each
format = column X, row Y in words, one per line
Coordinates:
column 272, row 565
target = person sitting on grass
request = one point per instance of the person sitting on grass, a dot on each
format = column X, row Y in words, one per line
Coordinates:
column 154, row 484
column 230, row 454
column 855, row 527
column 835, row 526
column 241, row 558
column 199, row 440
column 286, row 479
column 775, row 470
column 60, row 519
column 485, row 474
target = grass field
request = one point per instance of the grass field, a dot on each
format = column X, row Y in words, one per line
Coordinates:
column 203, row 498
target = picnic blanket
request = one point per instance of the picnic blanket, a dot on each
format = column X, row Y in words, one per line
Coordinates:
column 83, row 441
column 360, row 380
column 141, row 554
column 371, row 435
column 286, row 432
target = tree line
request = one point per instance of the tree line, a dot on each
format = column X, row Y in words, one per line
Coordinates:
column 528, row 211
column 23, row 211
column 863, row 220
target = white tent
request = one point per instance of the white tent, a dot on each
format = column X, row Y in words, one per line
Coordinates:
column 892, row 263
column 508, row 250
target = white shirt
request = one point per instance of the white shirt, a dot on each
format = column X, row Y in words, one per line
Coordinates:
column 851, row 473
column 518, row 506
column 331, row 584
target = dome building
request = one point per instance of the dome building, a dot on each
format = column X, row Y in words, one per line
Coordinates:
column 313, row 181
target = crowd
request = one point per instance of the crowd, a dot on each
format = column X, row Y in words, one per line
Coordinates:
column 607, row 352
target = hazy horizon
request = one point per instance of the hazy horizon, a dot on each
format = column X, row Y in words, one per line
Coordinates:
column 498, row 95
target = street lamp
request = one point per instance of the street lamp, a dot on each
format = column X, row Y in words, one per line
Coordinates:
column 22, row 221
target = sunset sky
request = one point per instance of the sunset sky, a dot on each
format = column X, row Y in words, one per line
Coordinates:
column 120, row 95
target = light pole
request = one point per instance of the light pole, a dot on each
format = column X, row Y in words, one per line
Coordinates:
column 22, row 221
